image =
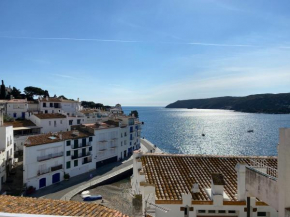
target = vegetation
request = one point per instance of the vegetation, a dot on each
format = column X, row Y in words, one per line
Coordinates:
column 30, row 92
column 135, row 113
column 66, row 176
column 260, row 103
column 91, row 104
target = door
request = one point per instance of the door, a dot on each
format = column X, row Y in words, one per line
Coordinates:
column 83, row 152
column 42, row 182
column 56, row 178
column 23, row 115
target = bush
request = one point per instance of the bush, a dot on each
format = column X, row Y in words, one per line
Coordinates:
column 66, row 176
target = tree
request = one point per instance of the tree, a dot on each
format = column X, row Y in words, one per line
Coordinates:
column 62, row 96
column 16, row 93
column 45, row 94
column 33, row 91
column 135, row 113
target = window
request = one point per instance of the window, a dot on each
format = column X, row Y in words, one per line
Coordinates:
column 44, row 104
column 67, row 143
column 60, row 121
column 49, row 123
column 121, row 143
column 90, row 139
column 222, row 211
column 45, row 111
column 67, row 153
column 51, row 105
column 76, row 142
column 76, row 163
column 14, row 115
column 54, row 123
column 201, row 211
column 261, row 214
column 78, row 121
column 211, row 211
column 90, row 148
column 70, row 122
column 232, row 211
column 68, row 164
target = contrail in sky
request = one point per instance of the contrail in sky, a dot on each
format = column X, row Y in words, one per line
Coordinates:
column 130, row 41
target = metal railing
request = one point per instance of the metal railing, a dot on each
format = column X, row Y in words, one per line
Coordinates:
column 81, row 155
column 83, row 145
column 261, row 166
column 49, row 156
column 58, row 167
column 43, row 171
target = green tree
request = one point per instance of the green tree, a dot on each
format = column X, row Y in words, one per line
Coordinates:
column 30, row 92
column 135, row 113
column 16, row 93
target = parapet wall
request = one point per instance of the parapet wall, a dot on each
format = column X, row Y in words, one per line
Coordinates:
column 262, row 186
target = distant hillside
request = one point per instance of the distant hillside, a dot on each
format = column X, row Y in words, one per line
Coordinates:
column 260, row 103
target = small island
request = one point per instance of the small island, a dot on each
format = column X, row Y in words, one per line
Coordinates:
column 259, row 103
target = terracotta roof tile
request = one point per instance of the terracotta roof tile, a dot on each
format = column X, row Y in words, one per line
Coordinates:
column 50, row 116
column 22, row 123
column 52, row 137
column 28, row 205
column 173, row 175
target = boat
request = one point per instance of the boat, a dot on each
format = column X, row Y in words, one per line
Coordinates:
column 203, row 134
column 92, row 197
column 250, row 131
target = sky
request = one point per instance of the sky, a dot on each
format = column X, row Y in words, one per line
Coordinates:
column 146, row 53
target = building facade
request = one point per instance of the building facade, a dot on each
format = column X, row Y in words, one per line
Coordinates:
column 195, row 185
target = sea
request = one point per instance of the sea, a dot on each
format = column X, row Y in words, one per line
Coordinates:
column 225, row 132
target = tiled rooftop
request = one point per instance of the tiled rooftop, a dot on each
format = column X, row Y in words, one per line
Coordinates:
column 28, row 205
column 50, row 116
column 52, row 138
column 52, row 99
column 173, row 175
column 101, row 126
column 22, row 123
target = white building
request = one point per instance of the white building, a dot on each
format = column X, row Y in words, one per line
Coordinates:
column 50, row 122
column 6, row 149
column 85, row 148
column 196, row 185
column 21, row 130
column 48, row 156
column 269, row 183
column 59, row 105
column 16, row 108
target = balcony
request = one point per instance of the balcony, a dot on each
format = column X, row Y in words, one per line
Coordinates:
column 103, row 141
column 83, row 145
column 88, row 161
column 59, row 167
column 81, row 155
column 44, row 171
column 49, row 156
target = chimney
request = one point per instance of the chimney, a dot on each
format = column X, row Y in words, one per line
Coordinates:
column 241, row 173
column 1, row 116
column 11, row 96
column 217, row 189
column 60, row 136
column 195, row 188
column 46, row 98
column 78, row 99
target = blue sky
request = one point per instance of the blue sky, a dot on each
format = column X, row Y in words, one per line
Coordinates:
column 137, row 52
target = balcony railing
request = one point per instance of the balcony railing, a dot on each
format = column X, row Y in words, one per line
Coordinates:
column 44, row 171
column 83, row 145
column 59, row 167
column 81, row 155
column 89, row 161
column 49, row 156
